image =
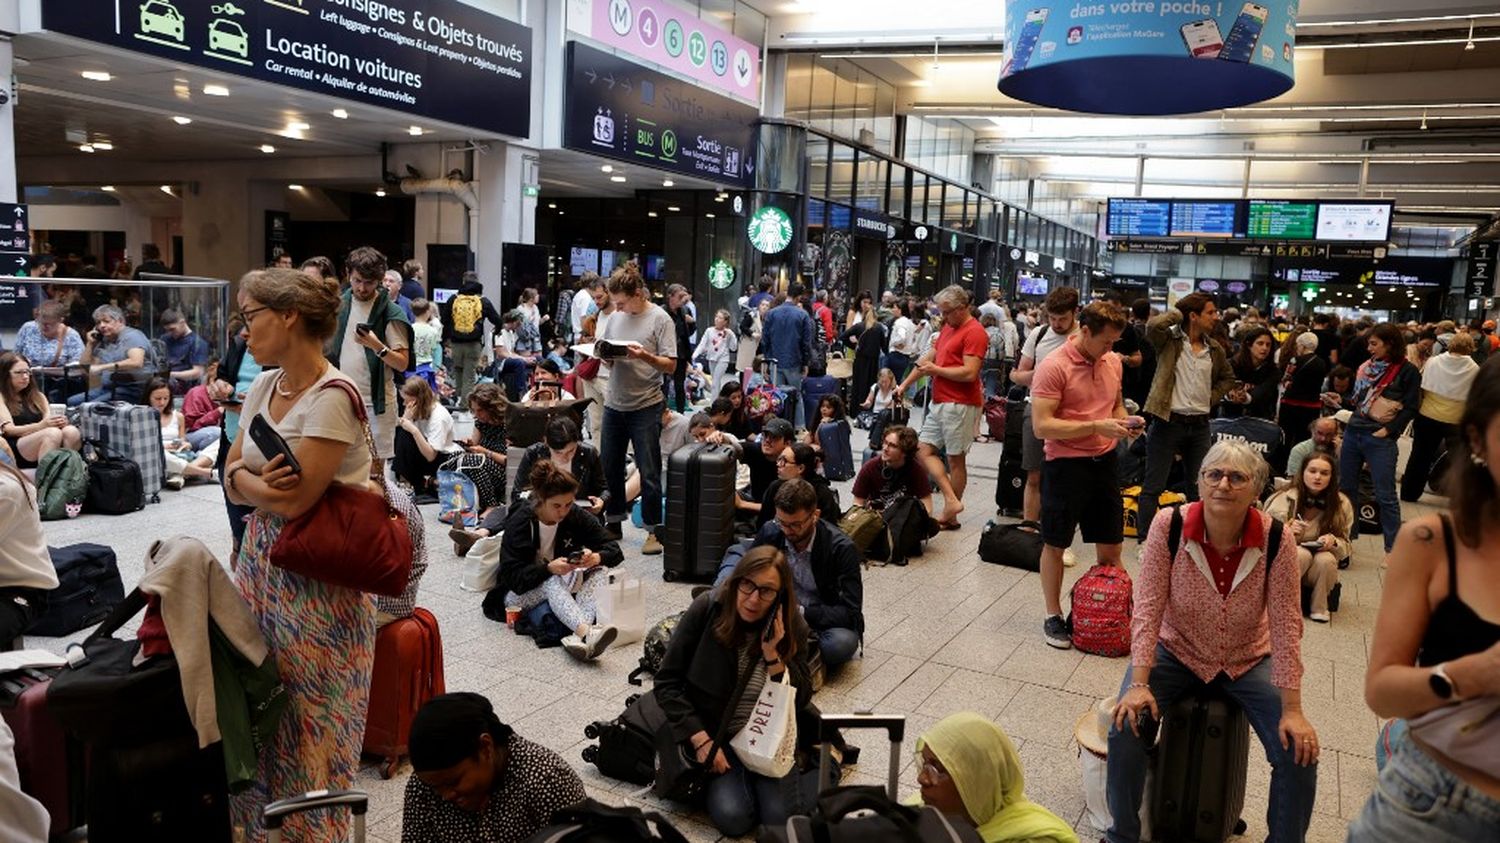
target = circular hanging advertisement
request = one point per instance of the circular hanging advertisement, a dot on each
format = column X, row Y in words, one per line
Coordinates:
column 770, row 230
column 720, row 274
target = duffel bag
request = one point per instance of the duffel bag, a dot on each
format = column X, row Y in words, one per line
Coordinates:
column 1012, row 545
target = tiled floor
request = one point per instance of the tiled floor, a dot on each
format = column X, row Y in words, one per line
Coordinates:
column 945, row 634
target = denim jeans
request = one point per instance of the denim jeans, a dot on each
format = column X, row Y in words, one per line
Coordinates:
column 838, row 645
column 1164, row 441
column 640, row 429
column 790, row 380
column 201, row 438
column 1416, row 798
column 739, row 801
column 106, row 393
column 1361, row 446
column 1293, row 786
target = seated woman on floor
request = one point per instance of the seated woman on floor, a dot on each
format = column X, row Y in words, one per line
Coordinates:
column 424, row 439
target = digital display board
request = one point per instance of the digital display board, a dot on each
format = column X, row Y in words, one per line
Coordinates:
column 440, row 59
column 581, row 260
column 1281, row 220
column 1354, row 220
column 1031, row 285
column 621, row 110
column 1139, row 218
column 1205, row 219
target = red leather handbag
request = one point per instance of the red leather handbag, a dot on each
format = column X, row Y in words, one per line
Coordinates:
column 353, row 537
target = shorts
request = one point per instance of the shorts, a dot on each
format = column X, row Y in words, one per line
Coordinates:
column 1032, row 455
column 383, row 430
column 950, row 427
column 1082, row 492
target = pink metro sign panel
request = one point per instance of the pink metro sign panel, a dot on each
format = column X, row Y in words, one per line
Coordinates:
column 673, row 38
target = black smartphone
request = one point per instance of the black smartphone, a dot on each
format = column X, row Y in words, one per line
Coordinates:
column 363, row 328
column 771, row 619
column 576, row 557
column 271, row 443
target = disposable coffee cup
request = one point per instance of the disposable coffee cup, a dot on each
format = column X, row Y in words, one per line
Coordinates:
column 512, row 614
column 59, row 409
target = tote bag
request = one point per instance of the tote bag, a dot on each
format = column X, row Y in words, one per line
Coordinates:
column 482, row 565
column 622, row 605
column 767, row 745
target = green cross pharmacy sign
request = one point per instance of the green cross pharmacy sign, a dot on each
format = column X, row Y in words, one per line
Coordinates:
column 770, row 230
column 720, row 274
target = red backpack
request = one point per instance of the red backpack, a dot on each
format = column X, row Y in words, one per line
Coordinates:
column 1101, row 603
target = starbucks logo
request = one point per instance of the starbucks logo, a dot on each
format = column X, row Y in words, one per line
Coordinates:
column 770, row 230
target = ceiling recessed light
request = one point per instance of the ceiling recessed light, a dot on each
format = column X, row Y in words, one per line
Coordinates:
column 607, row 168
column 719, row 198
column 667, row 182
column 181, row 121
column 552, row 205
column 415, row 131
column 710, row 216
column 650, row 213
column 294, row 187
column 85, row 147
column 673, row 208
column 108, row 188
column 340, row 114
column 166, row 188
column 559, row 213
column 267, row 148
column 97, row 75
column 298, row 125
column 380, row 191
column 216, row 90
column 617, row 178
column 103, row 145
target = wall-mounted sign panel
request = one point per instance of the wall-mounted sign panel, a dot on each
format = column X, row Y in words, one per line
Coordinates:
column 1147, row 57
column 1282, row 220
column 621, row 110
column 663, row 34
column 1367, row 221
column 440, row 59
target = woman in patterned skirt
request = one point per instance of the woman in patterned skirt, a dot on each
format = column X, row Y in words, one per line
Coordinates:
column 323, row 636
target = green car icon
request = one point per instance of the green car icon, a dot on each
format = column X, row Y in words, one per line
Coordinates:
column 161, row 17
column 228, row 37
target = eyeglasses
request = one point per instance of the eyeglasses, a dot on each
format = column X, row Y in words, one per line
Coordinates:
column 783, row 461
column 248, row 314
column 26, row 373
column 933, row 773
column 793, row 526
column 764, row 592
column 1215, row 476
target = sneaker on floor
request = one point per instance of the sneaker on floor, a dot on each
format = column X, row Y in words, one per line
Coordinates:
column 175, row 482
column 598, row 640
column 614, row 530
column 463, row 540
column 1069, row 558
column 1319, row 617
column 1056, row 630
column 575, row 647
column 652, row 545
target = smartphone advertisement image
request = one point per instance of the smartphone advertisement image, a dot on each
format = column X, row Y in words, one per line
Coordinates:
column 1143, row 57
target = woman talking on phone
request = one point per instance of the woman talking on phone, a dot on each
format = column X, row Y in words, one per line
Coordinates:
column 742, row 624
column 553, row 552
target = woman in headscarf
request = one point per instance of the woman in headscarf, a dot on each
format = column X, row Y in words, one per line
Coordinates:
column 971, row 772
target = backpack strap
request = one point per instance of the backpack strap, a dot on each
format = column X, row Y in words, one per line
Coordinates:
column 1174, row 534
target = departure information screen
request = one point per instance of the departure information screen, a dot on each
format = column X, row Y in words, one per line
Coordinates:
column 1139, row 218
column 1204, row 219
column 1279, row 220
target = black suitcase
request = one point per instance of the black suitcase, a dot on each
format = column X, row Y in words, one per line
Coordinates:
column 115, row 484
column 627, row 744
column 1010, row 489
column 88, row 589
column 162, row 790
column 591, row 821
column 274, row 815
column 700, row 511
column 1200, row 770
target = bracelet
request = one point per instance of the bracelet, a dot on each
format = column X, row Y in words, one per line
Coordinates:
column 230, row 479
column 1135, row 685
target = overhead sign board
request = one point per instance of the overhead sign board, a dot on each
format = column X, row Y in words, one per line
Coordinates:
column 440, row 59
column 1391, row 272
column 1282, row 220
column 664, row 34
column 1138, row 218
column 621, row 110
column 1354, row 221
column 1367, row 221
column 15, row 240
column 1481, row 274
column 1205, row 219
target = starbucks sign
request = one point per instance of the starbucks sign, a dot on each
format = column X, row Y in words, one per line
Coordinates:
column 720, row 274
column 770, row 230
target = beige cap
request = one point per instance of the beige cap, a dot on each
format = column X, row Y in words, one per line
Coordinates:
column 1092, row 729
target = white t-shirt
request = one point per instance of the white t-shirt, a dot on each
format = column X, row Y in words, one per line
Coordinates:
column 438, row 429
column 1050, row 342
column 317, row 413
column 352, row 354
column 583, row 305
column 675, row 434
column 546, row 540
column 882, row 399
column 901, row 336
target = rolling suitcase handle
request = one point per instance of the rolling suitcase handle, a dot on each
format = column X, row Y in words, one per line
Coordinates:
column 828, row 726
column 276, row 813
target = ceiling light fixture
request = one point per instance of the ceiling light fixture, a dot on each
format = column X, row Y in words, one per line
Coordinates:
column 85, row 147
column 166, row 188
column 415, row 131
column 181, row 121
column 552, row 205
column 673, row 208
column 710, row 216
column 380, row 191
column 667, row 182
column 559, row 213
column 103, row 145
column 267, row 148
column 97, row 75
column 298, row 126
column 617, row 178
column 216, row 90
column 108, row 188
column 340, row 114
column 294, row 187
column 651, row 213
column 607, row 168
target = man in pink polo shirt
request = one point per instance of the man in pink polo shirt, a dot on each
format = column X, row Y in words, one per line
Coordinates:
column 1078, row 410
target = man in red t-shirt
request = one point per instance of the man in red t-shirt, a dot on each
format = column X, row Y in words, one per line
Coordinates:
column 957, row 397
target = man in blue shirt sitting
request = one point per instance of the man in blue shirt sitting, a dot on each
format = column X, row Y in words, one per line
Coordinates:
column 118, row 354
column 187, row 353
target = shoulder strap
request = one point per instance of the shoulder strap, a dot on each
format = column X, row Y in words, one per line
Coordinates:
column 377, row 472
column 1174, row 535
column 1452, row 554
column 1273, row 545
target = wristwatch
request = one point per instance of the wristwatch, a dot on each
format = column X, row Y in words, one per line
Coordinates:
column 383, row 352
column 1441, row 684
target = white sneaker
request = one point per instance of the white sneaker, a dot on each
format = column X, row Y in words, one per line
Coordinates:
column 598, row 640
column 1319, row 617
column 175, row 482
column 575, row 647
column 1069, row 559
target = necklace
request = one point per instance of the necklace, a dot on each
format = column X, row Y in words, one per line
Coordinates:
column 295, row 392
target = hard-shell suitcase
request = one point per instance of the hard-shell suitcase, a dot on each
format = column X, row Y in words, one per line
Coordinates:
column 160, row 790
column 134, row 431
column 700, row 507
column 88, row 589
column 1200, row 770
column 50, row 763
column 838, row 454
column 408, row 672
column 814, row 389
column 274, row 815
column 627, row 744
column 1010, row 488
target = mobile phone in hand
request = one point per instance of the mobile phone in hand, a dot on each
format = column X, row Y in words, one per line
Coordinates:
column 271, row 443
column 575, row 558
column 363, row 328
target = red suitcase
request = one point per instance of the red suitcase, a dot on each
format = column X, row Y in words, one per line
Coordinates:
column 50, row 763
column 408, row 672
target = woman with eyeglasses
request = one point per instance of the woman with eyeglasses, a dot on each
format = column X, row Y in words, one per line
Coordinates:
column 751, row 621
column 27, row 422
column 971, row 772
column 799, row 461
column 1224, row 611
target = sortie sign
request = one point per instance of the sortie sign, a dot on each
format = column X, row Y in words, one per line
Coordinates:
column 440, row 59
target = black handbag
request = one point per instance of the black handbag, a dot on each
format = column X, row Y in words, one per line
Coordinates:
column 900, row 414
column 1012, row 546
column 102, row 698
column 679, row 776
column 115, row 485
